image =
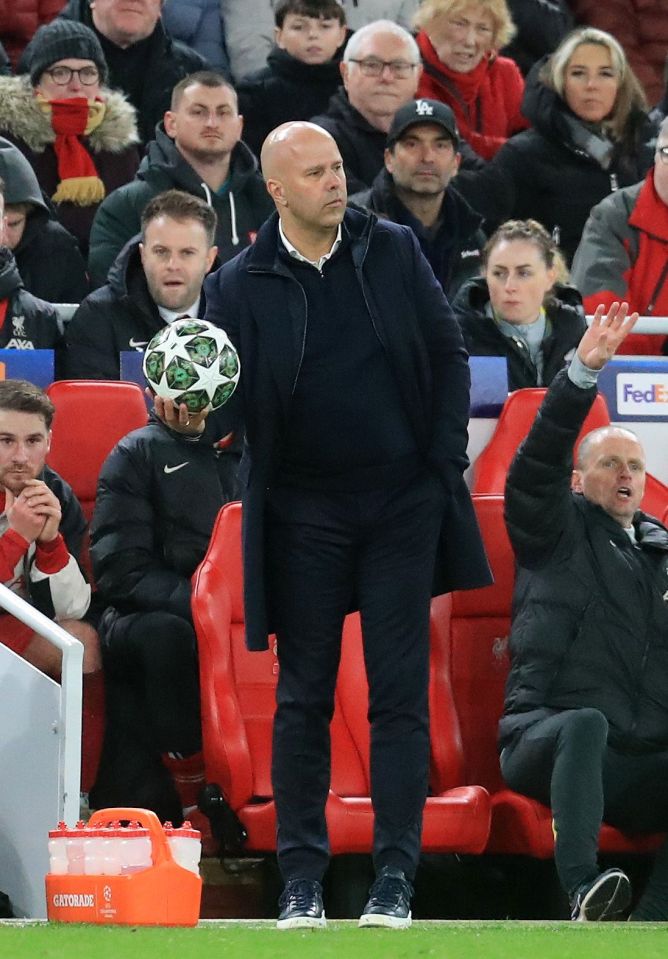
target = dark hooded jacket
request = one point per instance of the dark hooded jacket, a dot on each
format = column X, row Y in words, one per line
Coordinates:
column 540, row 25
column 454, row 251
column 29, row 323
column 564, row 328
column 146, row 71
column 544, row 174
column 47, row 255
column 240, row 210
column 286, row 89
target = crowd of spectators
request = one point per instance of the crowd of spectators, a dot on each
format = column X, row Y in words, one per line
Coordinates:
column 514, row 138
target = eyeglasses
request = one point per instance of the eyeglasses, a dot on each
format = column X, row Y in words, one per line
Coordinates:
column 400, row 69
column 662, row 153
column 62, row 75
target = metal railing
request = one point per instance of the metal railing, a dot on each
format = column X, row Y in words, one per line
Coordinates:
column 645, row 324
column 69, row 729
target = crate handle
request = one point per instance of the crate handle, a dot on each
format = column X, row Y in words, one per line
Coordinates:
column 160, row 848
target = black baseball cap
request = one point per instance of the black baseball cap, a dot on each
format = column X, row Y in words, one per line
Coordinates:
column 423, row 111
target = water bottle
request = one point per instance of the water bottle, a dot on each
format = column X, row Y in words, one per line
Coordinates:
column 75, row 849
column 111, row 850
column 93, row 852
column 135, row 849
column 58, row 864
column 186, row 845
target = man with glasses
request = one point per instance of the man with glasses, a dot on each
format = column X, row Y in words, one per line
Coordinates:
column 380, row 69
column 623, row 253
column 79, row 136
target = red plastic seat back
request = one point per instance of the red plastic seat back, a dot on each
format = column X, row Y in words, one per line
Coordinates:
column 238, row 688
column 350, row 726
column 479, row 629
column 655, row 500
column 91, row 417
column 515, row 420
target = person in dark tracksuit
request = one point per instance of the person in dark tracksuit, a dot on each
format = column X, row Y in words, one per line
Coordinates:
column 585, row 724
column 355, row 392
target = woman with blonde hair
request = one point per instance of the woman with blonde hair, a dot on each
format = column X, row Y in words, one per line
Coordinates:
column 459, row 42
column 590, row 135
column 522, row 307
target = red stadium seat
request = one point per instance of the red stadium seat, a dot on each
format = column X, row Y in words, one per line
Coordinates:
column 238, row 689
column 480, row 625
column 91, row 417
column 518, row 413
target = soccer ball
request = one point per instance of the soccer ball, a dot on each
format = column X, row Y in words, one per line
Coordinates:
column 192, row 362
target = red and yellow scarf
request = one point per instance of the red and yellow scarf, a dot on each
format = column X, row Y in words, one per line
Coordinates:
column 72, row 119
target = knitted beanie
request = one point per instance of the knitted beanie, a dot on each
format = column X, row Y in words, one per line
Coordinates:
column 63, row 40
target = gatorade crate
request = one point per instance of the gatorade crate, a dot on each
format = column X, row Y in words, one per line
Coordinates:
column 163, row 895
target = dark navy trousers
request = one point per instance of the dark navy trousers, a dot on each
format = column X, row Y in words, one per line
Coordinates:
column 325, row 550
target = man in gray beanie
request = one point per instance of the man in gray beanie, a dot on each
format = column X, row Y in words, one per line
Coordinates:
column 79, row 137
column 60, row 40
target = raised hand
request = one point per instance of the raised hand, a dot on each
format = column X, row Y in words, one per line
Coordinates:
column 607, row 332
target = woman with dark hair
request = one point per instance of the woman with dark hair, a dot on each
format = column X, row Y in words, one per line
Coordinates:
column 522, row 307
column 590, row 136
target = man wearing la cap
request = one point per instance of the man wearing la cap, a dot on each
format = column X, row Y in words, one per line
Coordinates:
column 414, row 188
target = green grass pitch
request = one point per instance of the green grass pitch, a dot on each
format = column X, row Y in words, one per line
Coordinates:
column 341, row 940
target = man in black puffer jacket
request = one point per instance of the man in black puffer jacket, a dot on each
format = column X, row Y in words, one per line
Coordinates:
column 585, row 727
column 158, row 496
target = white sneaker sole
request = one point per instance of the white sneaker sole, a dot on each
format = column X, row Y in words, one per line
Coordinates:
column 370, row 920
column 606, row 900
column 302, row 922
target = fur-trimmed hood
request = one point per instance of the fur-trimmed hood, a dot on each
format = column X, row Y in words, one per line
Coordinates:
column 22, row 119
